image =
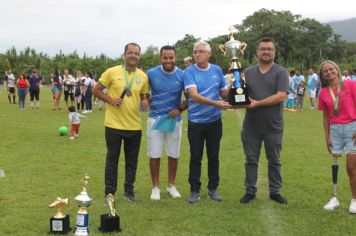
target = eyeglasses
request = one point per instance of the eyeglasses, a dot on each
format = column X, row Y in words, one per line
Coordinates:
column 266, row 49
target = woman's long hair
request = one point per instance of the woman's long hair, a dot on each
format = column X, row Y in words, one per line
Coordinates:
column 324, row 82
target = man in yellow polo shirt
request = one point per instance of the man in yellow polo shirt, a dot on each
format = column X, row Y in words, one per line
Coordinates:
column 127, row 89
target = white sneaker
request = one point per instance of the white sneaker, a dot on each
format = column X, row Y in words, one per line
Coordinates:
column 333, row 204
column 155, row 195
column 173, row 192
column 71, row 137
column 352, row 208
column 86, row 111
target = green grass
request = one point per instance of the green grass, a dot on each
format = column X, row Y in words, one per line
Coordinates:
column 40, row 165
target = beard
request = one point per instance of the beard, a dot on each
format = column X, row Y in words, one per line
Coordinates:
column 266, row 62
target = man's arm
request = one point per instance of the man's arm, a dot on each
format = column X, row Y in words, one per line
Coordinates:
column 184, row 105
column 275, row 99
column 195, row 96
column 99, row 93
column 5, row 82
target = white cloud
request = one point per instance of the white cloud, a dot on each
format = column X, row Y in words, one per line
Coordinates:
column 105, row 26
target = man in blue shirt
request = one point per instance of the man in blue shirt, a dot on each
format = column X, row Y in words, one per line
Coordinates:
column 166, row 82
column 312, row 85
column 205, row 84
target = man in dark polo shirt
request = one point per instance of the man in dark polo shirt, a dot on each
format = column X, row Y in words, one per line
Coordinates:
column 268, row 84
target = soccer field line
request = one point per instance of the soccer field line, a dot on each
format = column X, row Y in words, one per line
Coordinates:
column 267, row 215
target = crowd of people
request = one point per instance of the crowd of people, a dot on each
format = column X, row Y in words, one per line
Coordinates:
column 77, row 90
column 127, row 90
column 299, row 87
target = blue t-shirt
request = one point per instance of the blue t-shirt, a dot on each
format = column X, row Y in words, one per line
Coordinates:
column 297, row 79
column 166, row 90
column 34, row 80
column 312, row 79
column 208, row 82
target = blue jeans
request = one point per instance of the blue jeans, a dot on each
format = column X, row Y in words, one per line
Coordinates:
column 210, row 133
column 22, row 95
column 88, row 101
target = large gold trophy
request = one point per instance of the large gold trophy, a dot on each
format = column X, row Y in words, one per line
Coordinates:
column 234, row 49
column 59, row 223
column 83, row 201
column 110, row 222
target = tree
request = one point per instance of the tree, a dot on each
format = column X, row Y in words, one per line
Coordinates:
column 301, row 43
column 149, row 58
column 269, row 23
column 184, row 48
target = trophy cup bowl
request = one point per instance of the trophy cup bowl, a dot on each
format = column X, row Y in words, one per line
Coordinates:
column 83, row 200
column 110, row 222
column 234, row 49
column 59, row 223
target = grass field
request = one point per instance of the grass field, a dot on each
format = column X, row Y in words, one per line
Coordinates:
column 40, row 165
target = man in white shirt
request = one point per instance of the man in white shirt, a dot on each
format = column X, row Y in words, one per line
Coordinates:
column 10, row 82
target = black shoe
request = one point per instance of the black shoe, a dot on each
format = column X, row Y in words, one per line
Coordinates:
column 247, row 198
column 194, row 197
column 278, row 198
column 214, row 195
column 130, row 196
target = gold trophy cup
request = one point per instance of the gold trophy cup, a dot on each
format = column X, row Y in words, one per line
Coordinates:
column 234, row 49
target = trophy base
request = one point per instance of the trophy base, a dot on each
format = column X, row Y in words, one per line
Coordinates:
column 241, row 98
column 59, row 226
column 109, row 223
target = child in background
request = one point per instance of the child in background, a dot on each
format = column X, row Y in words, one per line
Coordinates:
column 300, row 95
column 74, row 118
column 291, row 96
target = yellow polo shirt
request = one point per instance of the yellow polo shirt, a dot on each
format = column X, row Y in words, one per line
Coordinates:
column 127, row 116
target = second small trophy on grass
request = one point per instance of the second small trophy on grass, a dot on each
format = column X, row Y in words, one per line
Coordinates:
column 83, row 201
column 110, row 222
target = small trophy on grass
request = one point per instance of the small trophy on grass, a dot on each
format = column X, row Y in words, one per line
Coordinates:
column 83, row 201
column 59, row 223
column 110, row 222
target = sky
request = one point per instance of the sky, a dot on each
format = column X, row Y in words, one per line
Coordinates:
column 105, row 26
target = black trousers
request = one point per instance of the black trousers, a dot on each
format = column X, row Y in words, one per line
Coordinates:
column 198, row 134
column 132, row 142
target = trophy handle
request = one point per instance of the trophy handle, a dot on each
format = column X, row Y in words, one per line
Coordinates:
column 243, row 47
column 222, row 48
